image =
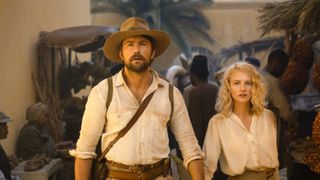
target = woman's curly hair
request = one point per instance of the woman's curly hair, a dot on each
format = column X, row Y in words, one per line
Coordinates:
column 224, row 103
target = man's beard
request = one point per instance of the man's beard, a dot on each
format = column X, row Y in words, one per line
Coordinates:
column 137, row 68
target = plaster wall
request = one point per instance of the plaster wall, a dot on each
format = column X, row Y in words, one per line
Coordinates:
column 233, row 23
column 21, row 22
column 231, row 26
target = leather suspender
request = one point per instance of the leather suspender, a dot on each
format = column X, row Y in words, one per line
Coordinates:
column 110, row 92
column 171, row 103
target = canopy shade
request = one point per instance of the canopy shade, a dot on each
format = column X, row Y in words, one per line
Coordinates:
column 80, row 38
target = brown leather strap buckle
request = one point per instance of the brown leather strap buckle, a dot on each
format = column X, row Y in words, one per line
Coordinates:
column 139, row 175
column 165, row 167
column 270, row 173
column 134, row 168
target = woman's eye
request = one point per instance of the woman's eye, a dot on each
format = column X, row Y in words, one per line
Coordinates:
column 236, row 83
column 249, row 83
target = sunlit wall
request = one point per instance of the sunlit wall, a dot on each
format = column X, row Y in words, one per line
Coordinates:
column 21, row 22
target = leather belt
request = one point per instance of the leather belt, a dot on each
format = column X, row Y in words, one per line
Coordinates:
column 269, row 172
column 143, row 172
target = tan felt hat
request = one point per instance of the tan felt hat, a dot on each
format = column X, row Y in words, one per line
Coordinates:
column 134, row 26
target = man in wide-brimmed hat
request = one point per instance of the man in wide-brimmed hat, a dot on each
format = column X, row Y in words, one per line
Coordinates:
column 143, row 151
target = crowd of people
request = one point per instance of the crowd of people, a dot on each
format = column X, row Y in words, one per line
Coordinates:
column 240, row 122
column 237, row 128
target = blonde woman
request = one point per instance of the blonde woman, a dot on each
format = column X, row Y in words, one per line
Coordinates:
column 242, row 136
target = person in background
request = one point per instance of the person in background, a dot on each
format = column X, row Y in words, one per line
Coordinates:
column 34, row 138
column 5, row 166
column 278, row 101
column 144, row 150
column 218, row 75
column 202, row 97
column 253, row 61
column 242, row 136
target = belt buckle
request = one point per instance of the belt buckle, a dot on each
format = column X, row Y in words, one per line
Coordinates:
column 134, row 167
column 136, row 170
column 139, row 174
column 270, row 173
column 166, row 161
column 165, row 167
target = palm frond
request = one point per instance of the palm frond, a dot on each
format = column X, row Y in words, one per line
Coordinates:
column 195, row 17
column 280, row 15
column 196, row 30
column 179, row 37
column 183, row 5
column 309, row 20
column 114, row 6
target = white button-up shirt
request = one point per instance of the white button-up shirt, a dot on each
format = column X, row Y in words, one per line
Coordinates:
column 239, row 149
column 147, row 141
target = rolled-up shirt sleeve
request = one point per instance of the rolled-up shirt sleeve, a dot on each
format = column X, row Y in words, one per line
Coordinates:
column 182, row 129
column 93, row 122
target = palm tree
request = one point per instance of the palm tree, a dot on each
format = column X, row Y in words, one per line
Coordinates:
column 309, row 20
column 280, row 16
column 180, row 18
column 298, row 18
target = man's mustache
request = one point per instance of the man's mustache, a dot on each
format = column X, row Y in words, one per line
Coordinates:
column 137, row 56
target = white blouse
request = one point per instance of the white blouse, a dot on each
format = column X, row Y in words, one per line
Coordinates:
column 239, row 149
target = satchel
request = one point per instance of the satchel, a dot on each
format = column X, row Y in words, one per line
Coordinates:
column 99, row 168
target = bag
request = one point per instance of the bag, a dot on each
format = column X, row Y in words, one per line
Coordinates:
column 99, row 170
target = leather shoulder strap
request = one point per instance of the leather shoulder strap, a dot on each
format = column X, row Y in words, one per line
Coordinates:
column 110, row 93
column 108, row 101
column 171, row 102
column 123, row 131
column 109, row 98
column 171, row 98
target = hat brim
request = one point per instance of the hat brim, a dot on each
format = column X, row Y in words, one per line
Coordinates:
column 112, row 44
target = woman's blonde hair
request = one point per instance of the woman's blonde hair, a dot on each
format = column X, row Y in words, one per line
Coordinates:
column 224, row 103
